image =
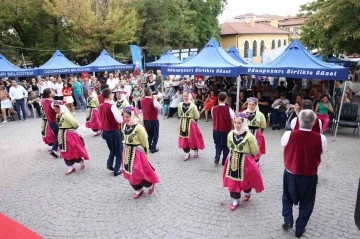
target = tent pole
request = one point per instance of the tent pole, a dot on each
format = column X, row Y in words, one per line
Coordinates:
column 333, row 94
column 238, row 82
column 338, row 118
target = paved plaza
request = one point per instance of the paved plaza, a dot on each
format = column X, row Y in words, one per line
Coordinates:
column 189, row 202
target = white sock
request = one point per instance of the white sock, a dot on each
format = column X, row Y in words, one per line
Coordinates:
column 235, row 202
column 187, row 155
column 55, row 152
column 247, row 194
column 138, row 192
column 71, row 168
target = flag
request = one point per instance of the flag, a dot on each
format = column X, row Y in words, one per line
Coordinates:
column 136, row 57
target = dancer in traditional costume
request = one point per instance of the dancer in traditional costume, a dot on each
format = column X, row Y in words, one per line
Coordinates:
column 110, row 119
column 241, row 172
column 257, row 125
column 72, row 146
column 92, row 117
column 121, row 100
column 47, row 133
column 190, row 136
column 136, row 166
column 50, row 114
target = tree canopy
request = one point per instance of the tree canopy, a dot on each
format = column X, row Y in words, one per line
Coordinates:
column 332, row 26
column 82, row 28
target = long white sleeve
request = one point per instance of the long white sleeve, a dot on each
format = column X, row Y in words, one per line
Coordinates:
column 118, row 117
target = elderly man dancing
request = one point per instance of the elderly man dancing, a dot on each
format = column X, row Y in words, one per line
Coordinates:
column 301, row 159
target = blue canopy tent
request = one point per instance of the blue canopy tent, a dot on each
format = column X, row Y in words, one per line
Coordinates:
column 59, row 64
column 335, row 60
column 7, row 69
column 165, row 60
column 234, row 53
column 106, row 63
column 297, row 62
column 191, row 56
column 212, row 60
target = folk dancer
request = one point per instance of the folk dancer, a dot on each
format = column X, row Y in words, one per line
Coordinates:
column 136, row 166
column 110, row 120
column 223, row 117
column 301, row 160
column 190, row 136
column 50, row 115
column 92, row 117
column 121, row 100
column 150, row 109
column 47, row 133
column 256, row 124
column 241, row 172
column 71, row 144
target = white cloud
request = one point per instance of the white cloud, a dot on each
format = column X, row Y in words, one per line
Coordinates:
column 272, row 7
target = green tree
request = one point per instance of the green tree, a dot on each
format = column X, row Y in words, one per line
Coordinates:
column 332, row 26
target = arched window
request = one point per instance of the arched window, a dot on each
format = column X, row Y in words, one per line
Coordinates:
column 273, row 44
column 254, row 48
column 246, row 48
column 285, row 42
column 279, row 43
column 262, row 47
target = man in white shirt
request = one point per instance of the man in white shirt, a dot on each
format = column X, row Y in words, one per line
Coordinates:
column 18, row 97
column 49, row 83
column 279, row 107
column 58, row 86
column 112, row 82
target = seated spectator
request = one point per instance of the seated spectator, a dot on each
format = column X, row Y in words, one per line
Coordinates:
column 33, row 102
column 322, row 110
column 317, row 98
column 279, row 107
column 260, row 87
column 281, row 87
column 305, row 94
column 7, row 107
column 263, row 104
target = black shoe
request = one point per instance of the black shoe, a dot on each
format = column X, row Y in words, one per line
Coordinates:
column 118, row 173
column 216, row 162
column 278, row 127
column 52, row 153
column 154, row 151
column 274, row 127
column 299, row 234
column 287, row 226
column 111, row 168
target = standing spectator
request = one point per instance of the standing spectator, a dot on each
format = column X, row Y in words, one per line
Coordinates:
column 112, row 82
column 67, row 93
column 301, row 160
column 159, row 78
column 58, row 86
column 150, row 109
column 41, row 87
column 95, row 84
column 279, row 107
column 49, row 82
column 26, row 86
column 18, row 97
column 85, row 87
column 78, row 94
column 176, row 99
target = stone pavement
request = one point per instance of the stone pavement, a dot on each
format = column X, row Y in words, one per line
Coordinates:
column 189, row 202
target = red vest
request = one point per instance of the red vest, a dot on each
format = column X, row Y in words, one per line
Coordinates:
column 302, row 154
column 221, row 118
column 49, row 111
column 150, row 112
column 315, row 128
column 101, row 99
column 107, row 119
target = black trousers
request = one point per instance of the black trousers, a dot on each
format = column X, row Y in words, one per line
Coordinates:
column 114, row 142
column 220, row 140
column 172, row 111
column 298, row 190
column 152, row 128
column 37, row 108
column 72, row 161
column 144, row 183
column 236, row 195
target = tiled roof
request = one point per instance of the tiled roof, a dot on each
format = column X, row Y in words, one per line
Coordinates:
column 292, row 22
column 233, row 28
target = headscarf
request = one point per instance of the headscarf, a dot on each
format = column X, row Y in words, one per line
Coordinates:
column 60, row 103
column 190, row 95
column 135, row 114
column 93, row 92
column 122, row 94
column 257, row 110
column 244, row 126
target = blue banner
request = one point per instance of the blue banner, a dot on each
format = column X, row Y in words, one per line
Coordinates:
column 136, row 56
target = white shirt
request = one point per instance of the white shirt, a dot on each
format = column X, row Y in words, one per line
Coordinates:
column 117, row 115
column 200, row 85
column 293, row 123
column 49, row 84
column 157, row 105
column 128, row 89
column 41, row 88
column 175, row 101
column 112, row 83
column 285, row 139
column 58, row 87
column 285, row 101
column 232, row 114
column 349, row 86
column 17, row 93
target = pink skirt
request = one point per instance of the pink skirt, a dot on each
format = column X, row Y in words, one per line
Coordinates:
column 252, row 178
column 261, row 142
column 195, row 140
column 49, row 136
column 75, row 146
column 94, row 122
column 141, row 170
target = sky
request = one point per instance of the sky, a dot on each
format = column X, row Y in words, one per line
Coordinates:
column 272, row 7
